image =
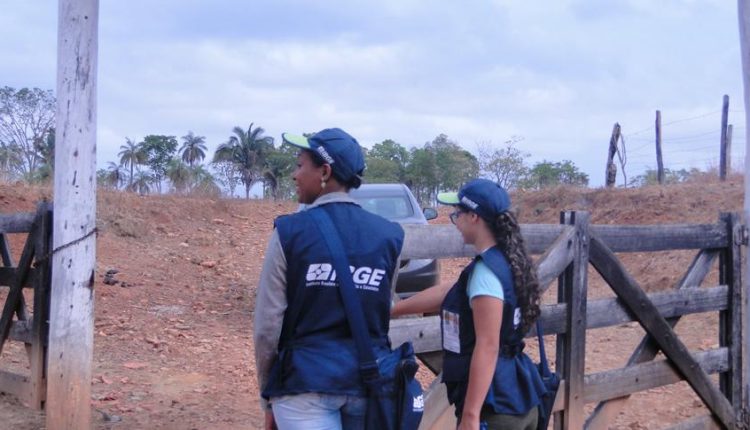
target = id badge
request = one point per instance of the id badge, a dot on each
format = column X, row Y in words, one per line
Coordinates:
column 451, row 325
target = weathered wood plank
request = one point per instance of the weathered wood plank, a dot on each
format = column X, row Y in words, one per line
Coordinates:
column 574, row 341
column 730, row 320
column 702, row 422
column 444, row 241
column 16, row 223
column 627, row 289
column 647, row 348
column 424, row 332
column 71, row 335
column 14, row 300
column 649, row 238
column 557, row 257
column 20, row 331
column 14, row 384
column 8, row 277
column 621, row 382
column 39, row 328
column 5, row 255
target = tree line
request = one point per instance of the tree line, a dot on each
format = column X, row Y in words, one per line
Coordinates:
column 164, row 163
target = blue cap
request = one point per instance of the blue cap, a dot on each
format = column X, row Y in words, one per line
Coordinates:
column 337, row 148
column 486, row 198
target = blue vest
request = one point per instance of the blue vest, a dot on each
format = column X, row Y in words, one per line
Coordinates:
column 516, row 387
column 318, row 352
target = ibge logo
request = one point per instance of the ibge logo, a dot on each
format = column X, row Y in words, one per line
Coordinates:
column 323, row 275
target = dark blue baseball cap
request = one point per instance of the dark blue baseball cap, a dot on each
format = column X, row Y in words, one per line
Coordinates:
column 486, row 198
column 337, row 148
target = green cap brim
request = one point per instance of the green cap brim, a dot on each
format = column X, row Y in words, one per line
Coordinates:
column 296, row 140
column 448, row 198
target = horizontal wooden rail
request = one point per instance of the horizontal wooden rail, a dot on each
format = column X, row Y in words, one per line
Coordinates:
column 17, row 222
column 444, row 240
column 424, row 332
column 649, row 238
column 616, row 383
column 8, row 277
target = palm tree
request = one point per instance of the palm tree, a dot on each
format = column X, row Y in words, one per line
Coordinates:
column 131, row 154
column 193, row 148
column 179, row 174
column 115, row 175
column 142, row 183
column 247, row 150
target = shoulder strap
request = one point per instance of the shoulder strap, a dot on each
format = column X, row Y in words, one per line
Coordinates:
column 368, row 366
column 544, row 366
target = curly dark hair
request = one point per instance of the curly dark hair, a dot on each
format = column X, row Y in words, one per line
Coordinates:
column 507, row 233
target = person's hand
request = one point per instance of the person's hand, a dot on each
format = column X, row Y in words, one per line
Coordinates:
column 270, row 423
column 468, row 423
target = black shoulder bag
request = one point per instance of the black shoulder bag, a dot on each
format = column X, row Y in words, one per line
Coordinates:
column 394, row 397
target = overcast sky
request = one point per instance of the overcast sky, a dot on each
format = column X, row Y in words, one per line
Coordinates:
column 557, row 74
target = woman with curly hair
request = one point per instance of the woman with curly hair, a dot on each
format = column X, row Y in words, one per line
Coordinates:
column 485, row 315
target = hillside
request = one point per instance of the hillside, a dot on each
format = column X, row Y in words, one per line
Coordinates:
column 173, row 337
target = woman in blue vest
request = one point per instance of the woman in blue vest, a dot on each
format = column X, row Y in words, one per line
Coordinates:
column 306, row 360
column 485, row 315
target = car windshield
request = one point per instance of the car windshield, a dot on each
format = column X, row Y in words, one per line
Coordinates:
column 389, row 207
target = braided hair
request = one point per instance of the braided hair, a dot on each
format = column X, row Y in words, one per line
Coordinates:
column 507, row 233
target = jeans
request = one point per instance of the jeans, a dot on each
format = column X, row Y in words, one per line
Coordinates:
column 314, row 411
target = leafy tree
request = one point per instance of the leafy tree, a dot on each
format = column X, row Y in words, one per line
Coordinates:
column 248, row 151
column 193, row 148
column 11, row 162
column 27, row 117
column 130, row 155
column 650, row 177
column 387, row 162
column 547, row 173
column 277, row 175
column 382, row 171
column 46, row 153
column 227, row 174
column 421, row 174
column 505, row 166
column 159, row 150
column 455, row 165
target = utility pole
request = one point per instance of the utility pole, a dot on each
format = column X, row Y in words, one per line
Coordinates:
column 71, row 332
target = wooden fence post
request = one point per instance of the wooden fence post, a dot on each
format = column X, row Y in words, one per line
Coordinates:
column 611, row 172
column 71, row 333
column 659, row 162
column 730, row 320
column 723, row 143
column 571, row 347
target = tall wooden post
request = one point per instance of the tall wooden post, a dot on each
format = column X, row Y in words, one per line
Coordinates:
column 611, row 173
column 743, row 13
column 723, row 143
column 71, row 334
column 728, row 149
column 659, row 163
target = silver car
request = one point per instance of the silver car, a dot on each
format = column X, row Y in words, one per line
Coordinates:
column 396, row 203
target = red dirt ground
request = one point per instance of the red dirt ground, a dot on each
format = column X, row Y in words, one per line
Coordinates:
column 173, row 339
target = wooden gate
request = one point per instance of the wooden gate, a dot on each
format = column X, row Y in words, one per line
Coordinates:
column 16, row 322
column 566, row 251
